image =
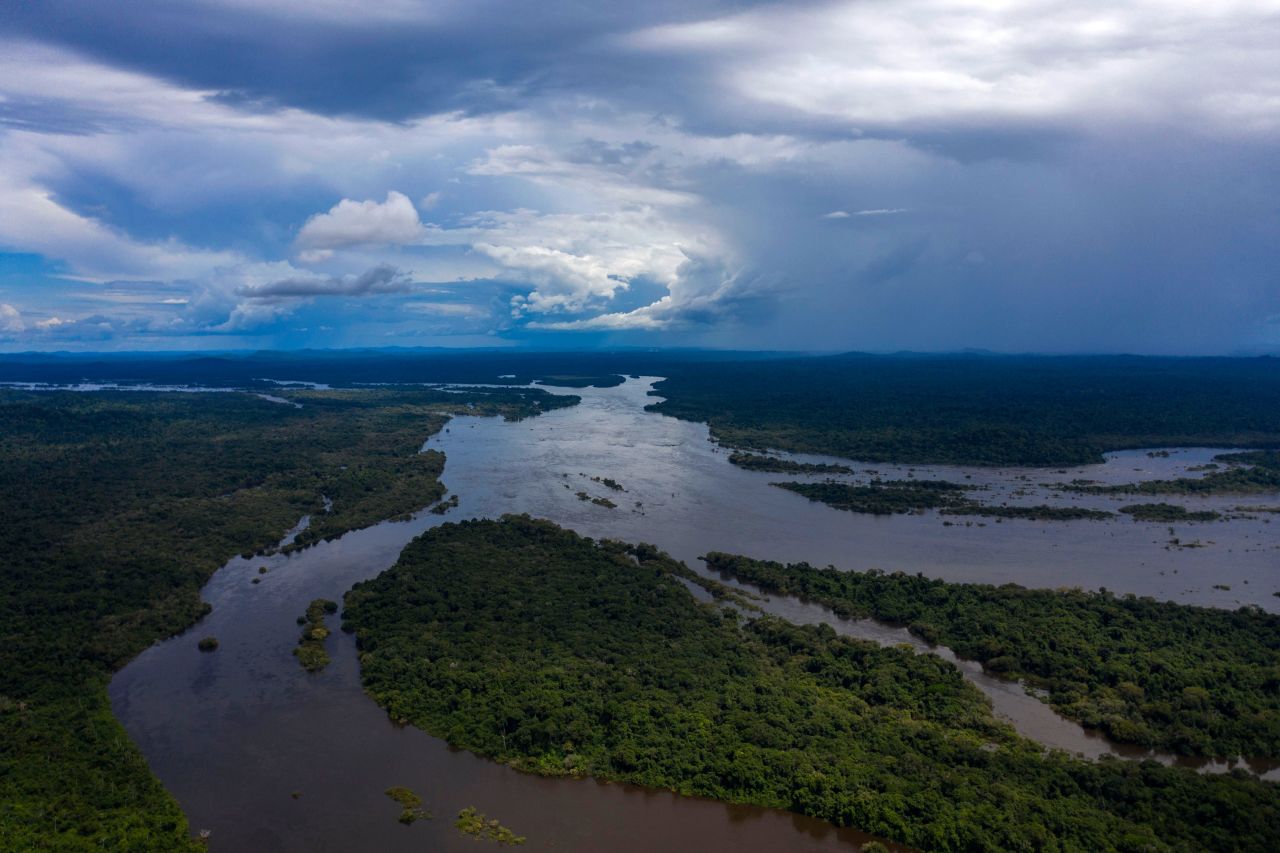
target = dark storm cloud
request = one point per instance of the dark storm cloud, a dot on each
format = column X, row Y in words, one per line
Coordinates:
column 381, row 279
column 392, row 61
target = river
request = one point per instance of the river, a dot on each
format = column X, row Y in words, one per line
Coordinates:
column 266, row 756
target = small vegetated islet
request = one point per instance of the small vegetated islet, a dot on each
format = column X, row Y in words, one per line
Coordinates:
column 311, row 651
column 411, row 809
column 474, row 823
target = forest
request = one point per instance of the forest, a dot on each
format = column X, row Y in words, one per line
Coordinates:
column 1192, row 680
column 979, row 410
column 119, row 506
column 558, row 655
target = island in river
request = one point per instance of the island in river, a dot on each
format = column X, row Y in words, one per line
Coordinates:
column 560, row 655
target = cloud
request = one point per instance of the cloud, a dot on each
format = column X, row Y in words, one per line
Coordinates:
column 652, row 167
column 33, row 220
column 705, row 291
column 447, row 309
column 353, row 223
column 10, row 319
column 379, row 280
column 947, row 64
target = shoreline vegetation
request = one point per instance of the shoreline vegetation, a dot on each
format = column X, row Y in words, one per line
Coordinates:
column 538, row 648
column 1191, row 680
column 120, row 506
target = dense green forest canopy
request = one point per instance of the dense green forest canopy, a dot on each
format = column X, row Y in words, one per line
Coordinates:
column 118, row 507
column 531, row 645
column 980, row 410
column 1195, row 680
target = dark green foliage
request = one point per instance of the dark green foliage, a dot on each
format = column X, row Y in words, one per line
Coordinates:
column 756, row 462
column 979, row 410
column 411, row 809
column 207, row 644
column 1248, row 473
column 1194, row 680
column 471, row 822
column 311, row 651
column 1167, row 513
column 882, row 498
column 528, row 644
column 609, row 482
column 908, row 496
column 444, row 506
column 118, row 507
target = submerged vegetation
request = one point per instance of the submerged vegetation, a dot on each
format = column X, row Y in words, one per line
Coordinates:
column 777, row 465
column 608, row 483
column 1039, row 512
column 1194, row 680
column 558, row 655
column 1167, row 513
column 311, row 651
column 473, row 823
column 912, row 496
column 119, row 506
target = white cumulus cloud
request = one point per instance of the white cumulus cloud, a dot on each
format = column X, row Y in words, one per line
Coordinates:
column 352, row 223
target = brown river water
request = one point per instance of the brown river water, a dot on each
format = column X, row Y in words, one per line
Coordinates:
column 268, row 757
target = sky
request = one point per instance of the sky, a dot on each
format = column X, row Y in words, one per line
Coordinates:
column 878, row 175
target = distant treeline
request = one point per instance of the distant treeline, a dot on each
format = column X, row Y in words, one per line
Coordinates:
column 963, row 409
column 1194, row 680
